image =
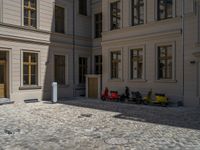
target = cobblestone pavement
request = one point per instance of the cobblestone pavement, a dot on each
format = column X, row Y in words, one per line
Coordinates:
column 90, row 124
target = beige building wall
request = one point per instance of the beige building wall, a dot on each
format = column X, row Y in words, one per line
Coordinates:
column 16, row 38
column 183, row 86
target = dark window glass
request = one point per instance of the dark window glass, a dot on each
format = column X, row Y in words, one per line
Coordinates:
column 136, row 63
column 30, row 68
column 98, row 25
column 165, row 62
column 115, row 15
column 115, row 64
column 82, row 69
column 83, row 7
column 59, row 69
column 165, row 8
column 137, row 12
column 30, row 13
column 98, row 64
column 59, row 19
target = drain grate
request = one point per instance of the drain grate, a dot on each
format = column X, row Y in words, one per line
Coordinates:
column 116, row 141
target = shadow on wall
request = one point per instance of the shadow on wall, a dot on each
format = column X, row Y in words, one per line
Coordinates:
column 48, row 79
column 170, row 116
column 60, row 44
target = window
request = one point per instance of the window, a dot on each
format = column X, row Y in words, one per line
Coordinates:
column 82, row 69
column 30, row 69
column 165, row 9
column 83, row 7
column 59, row 19
column 98, row 64
column 98, row 25
column 115, row 64
column 59, row 69
column 137, row 12
column 136, row 63
column 30, row 13
column 115, row 15
column 165, row 62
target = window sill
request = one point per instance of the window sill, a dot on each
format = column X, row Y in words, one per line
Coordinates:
column 30, row 87
column 166, row 81
column 137, row 80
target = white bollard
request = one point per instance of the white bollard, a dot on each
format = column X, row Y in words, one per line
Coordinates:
column 54, row 92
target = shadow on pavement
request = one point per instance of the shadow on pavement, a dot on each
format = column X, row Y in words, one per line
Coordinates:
column 171, row 116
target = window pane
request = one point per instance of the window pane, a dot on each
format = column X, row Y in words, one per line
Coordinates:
column 115, row 65
column 59, row 19
column 26, row 81
column 30, row 68
column 83, row 7
column 137, row 12
column 98, row 25
column 30, row 13
column 115, row 15
column 98, row 64
column 165, row 9
column 33, row 3
column 26, row 2
column 33, row 80
column 165, row 60
column 59, row 69
column 82, row 69
column 136, row 64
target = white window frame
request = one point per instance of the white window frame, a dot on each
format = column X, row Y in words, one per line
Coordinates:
column 88, row 66
column 66, row 67
column 143, row 47
column 22, row 68
column 121, row 14
column 156, row 10
column 130, row 13
column 37, row 12
column 109, row 61
column 173, row 44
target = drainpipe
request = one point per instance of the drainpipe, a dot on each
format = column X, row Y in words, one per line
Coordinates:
column 74, row 82
column 183, row 46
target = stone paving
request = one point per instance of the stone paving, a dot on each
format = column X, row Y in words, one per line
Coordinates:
column 92, row 124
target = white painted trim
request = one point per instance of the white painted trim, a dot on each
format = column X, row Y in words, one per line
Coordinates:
column 66, row 66
column 130, row 13
column 121, row 14
column 21, row 64
column 143, row 47
column 156, row 10
column 173, row 44
column 37, row 16
column 121, row 76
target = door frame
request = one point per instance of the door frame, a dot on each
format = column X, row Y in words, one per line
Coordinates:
column 8, row 70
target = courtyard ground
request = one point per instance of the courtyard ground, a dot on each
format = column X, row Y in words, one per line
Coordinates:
column 91, row 124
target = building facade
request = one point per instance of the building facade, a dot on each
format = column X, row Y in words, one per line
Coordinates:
column 142, row 44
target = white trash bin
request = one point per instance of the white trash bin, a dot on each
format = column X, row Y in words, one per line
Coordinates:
column 54, row 92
